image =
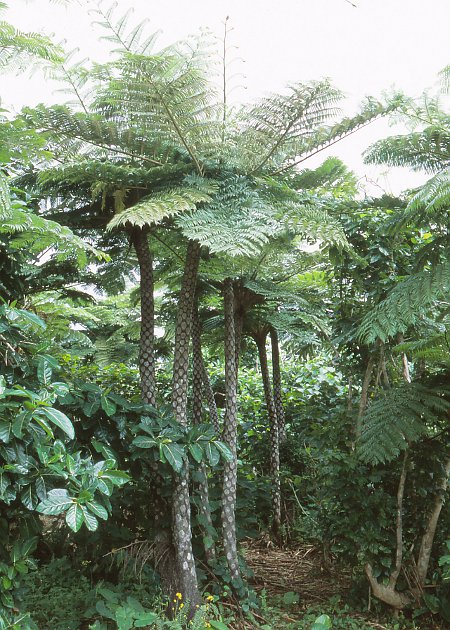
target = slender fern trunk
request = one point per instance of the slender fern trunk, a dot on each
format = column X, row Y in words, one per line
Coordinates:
column 230, row 436
column 182, row 533
column 260, row 340
column 276, row 381
column 147, row 336
column 197, row 396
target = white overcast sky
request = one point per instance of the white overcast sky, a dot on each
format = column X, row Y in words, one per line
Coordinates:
column 365, row 49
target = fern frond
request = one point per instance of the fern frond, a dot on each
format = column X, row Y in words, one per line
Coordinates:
column 401, row 416
column 237, row 221
column 154, row 208
column 427, row 150
column 433, row 199
column 16, row 47
column 38, row 235
column 406, row 303
column 93, row 131
column 126, row 38
column 277, row 121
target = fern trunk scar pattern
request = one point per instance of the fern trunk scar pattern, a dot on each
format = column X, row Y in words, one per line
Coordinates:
column 277, row 395
column 229, row 436
column 181, row 501
column 147, row 335
column 197, row 393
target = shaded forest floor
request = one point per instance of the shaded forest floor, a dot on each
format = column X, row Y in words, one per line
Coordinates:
column 300, row 583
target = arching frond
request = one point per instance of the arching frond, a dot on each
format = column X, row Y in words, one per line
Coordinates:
column 91, row 130
column 432, row 200
column 38, row 235
column 154, row 208
column 16, row 47
column 401, row 416
column 427, row 150
column 406, row 303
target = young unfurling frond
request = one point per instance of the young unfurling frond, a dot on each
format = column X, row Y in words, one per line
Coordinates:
column 398, row 418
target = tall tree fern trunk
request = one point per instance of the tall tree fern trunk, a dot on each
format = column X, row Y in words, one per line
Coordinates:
column 276, row 381
column 197, row 396
column 165, row 560
column 182, row 532
column 260, row 340
column 230, row 436
column 147, row 335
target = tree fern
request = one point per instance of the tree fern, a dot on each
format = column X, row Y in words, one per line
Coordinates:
column 406, row 303
column 398, row 418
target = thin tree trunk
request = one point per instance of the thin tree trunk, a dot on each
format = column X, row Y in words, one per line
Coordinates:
column 182, row 532
column 399, row 527
column 276, row 374
column 147, row 335
column 230, row 437
column 423, row 559
column 260, row 340
column 197, row 395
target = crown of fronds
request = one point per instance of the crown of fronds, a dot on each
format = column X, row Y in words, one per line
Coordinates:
column 406, row 304
column 238, row 221
column 398, row 418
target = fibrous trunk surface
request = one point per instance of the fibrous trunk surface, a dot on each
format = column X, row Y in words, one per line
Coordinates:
column 182, row 533
column 230, row 435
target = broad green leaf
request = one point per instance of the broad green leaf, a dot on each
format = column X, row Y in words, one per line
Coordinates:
column 57, row 501
column 44, row 371
column 117, row 477
column 90, row 520
column 58, row 418
column 224, row 450
column 145, row 619
column 196, row 452
column 5, row 431
column 108, row 406
column 31, row 318
column 104, row 610
column 123, row 618
column 97, row 509
column 174, row 454
column 218, row 625
column 74, row 517
column 28, row 499
column 322, row 623
column 143, row 441
column 212, row 454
